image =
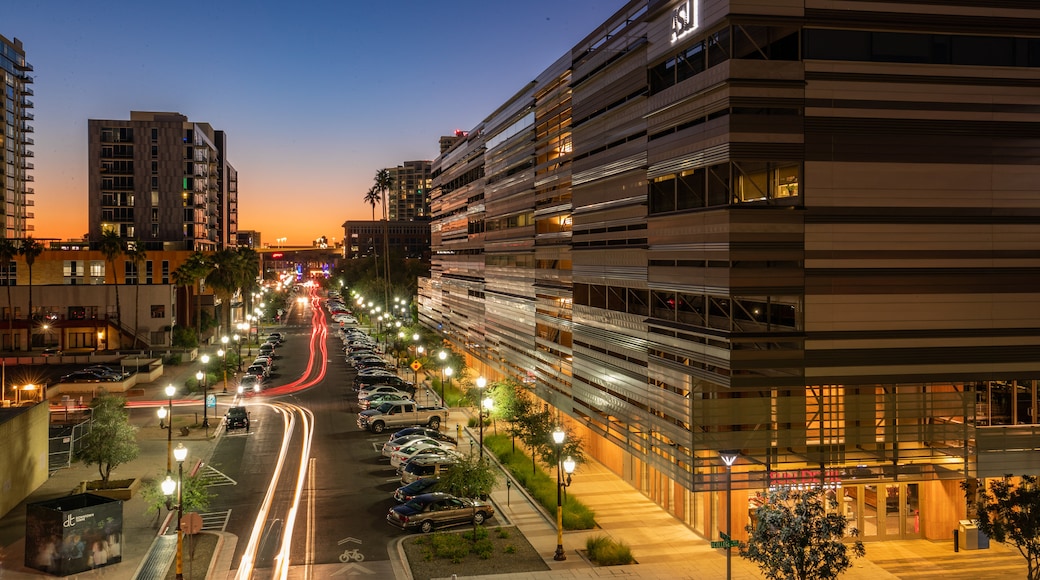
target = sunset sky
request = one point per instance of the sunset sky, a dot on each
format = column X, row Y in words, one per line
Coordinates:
column 315, row 96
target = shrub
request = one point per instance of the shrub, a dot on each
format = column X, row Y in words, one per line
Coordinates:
column 502, row 533
column 483, row 548
column 510, row 549
column 451, row 546
column 542, row 487
column 608, row 552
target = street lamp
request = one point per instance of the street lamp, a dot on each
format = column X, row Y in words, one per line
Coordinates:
column 223, row 354
column 170, row 392
column 442, row 356
column 168, row 487
column 481, row 383
column 447, row 373
column 558, row 436
column 729, row 458
column 201, row 376
column 238, row 348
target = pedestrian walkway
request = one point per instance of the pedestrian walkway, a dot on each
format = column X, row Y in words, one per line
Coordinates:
column 665, row 548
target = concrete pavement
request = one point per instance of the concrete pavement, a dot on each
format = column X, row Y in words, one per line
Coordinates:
column 665, row 548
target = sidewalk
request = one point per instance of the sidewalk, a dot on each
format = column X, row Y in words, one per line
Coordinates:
column 665, row 548
column 139, row 528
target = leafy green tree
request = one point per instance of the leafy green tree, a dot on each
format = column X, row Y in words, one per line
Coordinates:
column 195, row 496
column 30, row 249
column 8, row 250
column 111, row 247
column 470, row 477
column 111, row 440
column 799, row 535
column 512, row 405
column 136, row 254
column 1009, row 512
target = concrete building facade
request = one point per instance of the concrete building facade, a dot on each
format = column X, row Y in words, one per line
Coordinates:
column 803, row 232
column 162, row 180
column 16, row 140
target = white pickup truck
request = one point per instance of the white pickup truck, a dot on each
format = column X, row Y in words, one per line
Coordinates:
column 400, row 414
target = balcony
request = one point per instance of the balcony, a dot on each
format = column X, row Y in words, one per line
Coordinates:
column 23, row 66
column 26, row 116
column 25, row 78
column 1007, row 449
column 29, row 203
column 28, row 178
column 29, row 215
column 23, row 140
column 26, row 92
column 27, row 104
column 27, row 166
column 28, row 191
column 26, row 153
column 27, row 128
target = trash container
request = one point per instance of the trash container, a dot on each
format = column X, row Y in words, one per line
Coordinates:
column 971, row 537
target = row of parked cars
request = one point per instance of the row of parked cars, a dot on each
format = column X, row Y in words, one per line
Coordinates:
column 338, row 310
column 96, row 374
column 420, row 456
column 259, row 371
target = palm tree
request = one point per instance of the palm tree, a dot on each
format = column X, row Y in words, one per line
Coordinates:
column 136, row 254
column 30, row 249
column 111, row 246
column 8, row 250
column 193, row 271
column 383, row 183
column 225, row 277
column 372, row 197
column 250, row 263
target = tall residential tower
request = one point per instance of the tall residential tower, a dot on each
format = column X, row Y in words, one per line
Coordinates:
column 163, row 180
column 15, row 116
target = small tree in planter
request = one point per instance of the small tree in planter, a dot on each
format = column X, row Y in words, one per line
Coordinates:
column 111, row 440
column 470, row 477
column 1008, row 513
column 195, row 495
column 798, row 535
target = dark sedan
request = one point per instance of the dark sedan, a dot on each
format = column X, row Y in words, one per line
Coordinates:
column 430, row 511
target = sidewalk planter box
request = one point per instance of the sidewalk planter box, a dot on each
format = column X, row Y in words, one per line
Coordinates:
column 121, row 489
column 73, row 534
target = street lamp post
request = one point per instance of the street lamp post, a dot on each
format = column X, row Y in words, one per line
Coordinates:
column 447, row 373
column 558, row 436
column 223, row 354
column 170, row 392
column 168, row 487
column 238, row 350
column 729, row 458
column 481, row 383
column 442, row 356
column 201, row 376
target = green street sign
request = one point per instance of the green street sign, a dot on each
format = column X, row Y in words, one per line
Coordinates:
column 725, row 536
column 725, row 544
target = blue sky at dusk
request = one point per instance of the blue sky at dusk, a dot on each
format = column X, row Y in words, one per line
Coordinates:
column 315, row 96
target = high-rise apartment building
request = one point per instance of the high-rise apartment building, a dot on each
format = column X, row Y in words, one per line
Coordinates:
column 409, row 195
column 15, row 115
column 803, row 234
column 163, row 180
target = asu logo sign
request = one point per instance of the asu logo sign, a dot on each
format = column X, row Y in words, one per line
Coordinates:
column 684, row 19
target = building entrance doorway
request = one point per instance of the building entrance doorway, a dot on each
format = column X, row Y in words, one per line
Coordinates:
column 884, row 511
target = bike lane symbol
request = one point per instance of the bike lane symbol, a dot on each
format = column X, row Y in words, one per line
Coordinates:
column 350, row 554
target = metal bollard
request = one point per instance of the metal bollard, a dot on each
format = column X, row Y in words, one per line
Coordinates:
column 956, row 540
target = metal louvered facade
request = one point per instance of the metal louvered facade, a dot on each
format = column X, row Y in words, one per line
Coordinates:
column 805, row 231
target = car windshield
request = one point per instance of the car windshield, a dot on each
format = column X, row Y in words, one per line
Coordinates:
column 386, row 407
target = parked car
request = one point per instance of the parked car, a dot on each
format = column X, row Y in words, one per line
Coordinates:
column 250, row 383
column 362, row 382
column 426, row 467
column 87, row 377
column 119, row 372
column 266, row 349
column 416, row 488
column 259, row 369
column 424, row 447
column 50, row 351
column 379, row 389
column 277, row 335
column 424, row 432
column 372, row 364
column 235, row 418
column 430, row 511
column 380, row 398
column 396, row 443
